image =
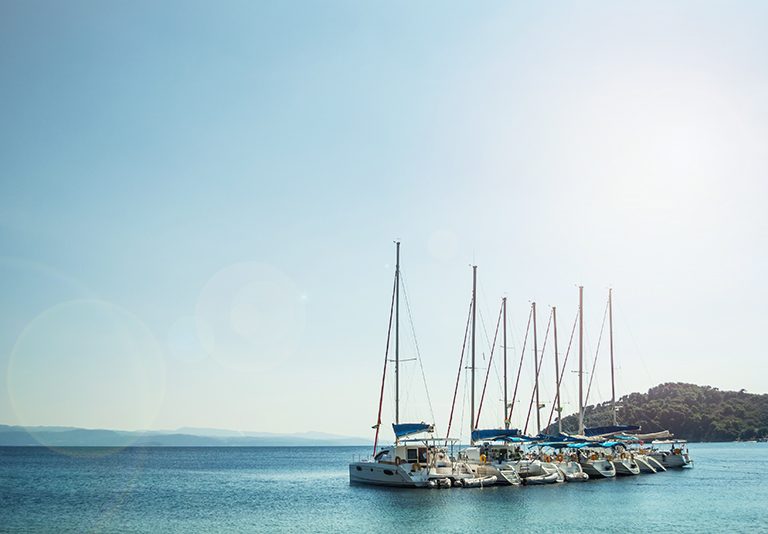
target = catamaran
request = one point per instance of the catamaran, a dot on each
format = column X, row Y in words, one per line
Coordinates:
column 411, row 461
column 562, row 455
column 494, row 459
column 593, row 462
column 676, row 456
column 415, row 462
column 634, row 444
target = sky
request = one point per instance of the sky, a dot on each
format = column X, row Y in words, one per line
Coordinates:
column 198, row 203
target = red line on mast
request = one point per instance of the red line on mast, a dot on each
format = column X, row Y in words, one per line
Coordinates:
column 384, row 374
column 458, row 375
column 520, row 367
column 488, row 371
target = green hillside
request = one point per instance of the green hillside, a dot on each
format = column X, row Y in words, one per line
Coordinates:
column 695, row 413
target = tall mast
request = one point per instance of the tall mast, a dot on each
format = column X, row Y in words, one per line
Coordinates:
column 504, row 307
column 536, row 368
column 557, row 374
column 610, row 338
column 397, row 335
column 472, row 380
column 581, row 360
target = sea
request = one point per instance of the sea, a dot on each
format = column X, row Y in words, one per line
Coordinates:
column 306, row 489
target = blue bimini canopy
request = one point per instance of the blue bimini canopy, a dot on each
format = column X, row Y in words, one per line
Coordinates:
column 601, row 430
column 554, row 444
column 558, row 437
column 496, row 434
column 406, row 429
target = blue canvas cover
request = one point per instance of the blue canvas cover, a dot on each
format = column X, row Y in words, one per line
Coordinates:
column 600, row 430
column 495, row 434
column 406, row 429
column 558, row 437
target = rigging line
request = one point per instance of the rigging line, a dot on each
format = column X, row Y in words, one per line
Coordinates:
column 463, row 406
column 562, row 373
column 498, row 375
column 485, row 330
column 519, row 367
column 512, row 341
column 594, row 363
column 416, row 344
column 500, row 383
column 504, row 380
column 638, row 352
column 538, row 371
column 458, row 375
column 384, row 373
column 482, row 320
column 488, row 371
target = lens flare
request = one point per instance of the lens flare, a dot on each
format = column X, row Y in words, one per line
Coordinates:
column 250, row 316
column 86, row 363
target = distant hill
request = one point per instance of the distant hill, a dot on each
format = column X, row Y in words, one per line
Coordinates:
column 186, row 437
column 695, row 413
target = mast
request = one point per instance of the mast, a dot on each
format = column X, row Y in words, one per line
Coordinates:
column 581, row 360
column 610, row 338
column 472, row 370
column 397, row 335
column 377, row 426
column 536, row 368
column 504, row 308
column 557, row 374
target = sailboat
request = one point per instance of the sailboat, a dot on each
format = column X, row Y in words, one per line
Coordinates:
column 497, row 451
column 634, row 443
column 676, row 456
column 495, row 457
column 593, row 461
column 563, row 460
column 415, row 462
column 624, row 461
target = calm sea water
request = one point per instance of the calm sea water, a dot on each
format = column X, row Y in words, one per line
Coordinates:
column 306, row 489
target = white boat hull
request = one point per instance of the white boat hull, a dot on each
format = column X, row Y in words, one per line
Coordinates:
column 549, row 478
column 479, row 482
column 653, row 462
column 504, row 473
column 381, row 474
column 535, row 472
column 530, row 468
column 644, row 465
column 670, row 460
column 598, row 469
column 626, row 467
column 572, row 471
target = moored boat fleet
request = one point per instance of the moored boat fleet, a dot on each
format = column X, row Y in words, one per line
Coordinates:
column 509, row 456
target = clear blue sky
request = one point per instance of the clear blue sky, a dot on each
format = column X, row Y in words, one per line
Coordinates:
column 198, row 200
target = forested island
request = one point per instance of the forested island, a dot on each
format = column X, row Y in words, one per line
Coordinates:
column 695, row 413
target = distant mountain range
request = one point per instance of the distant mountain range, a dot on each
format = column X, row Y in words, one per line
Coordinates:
column 695, row 413
column 56, row 436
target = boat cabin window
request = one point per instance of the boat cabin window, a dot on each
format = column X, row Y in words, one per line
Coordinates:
column 379, row 456
column 417, row 455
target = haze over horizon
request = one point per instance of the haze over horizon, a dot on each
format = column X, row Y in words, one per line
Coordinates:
column 198, row 204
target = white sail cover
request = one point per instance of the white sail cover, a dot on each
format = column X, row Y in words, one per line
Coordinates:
column 664, row 434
